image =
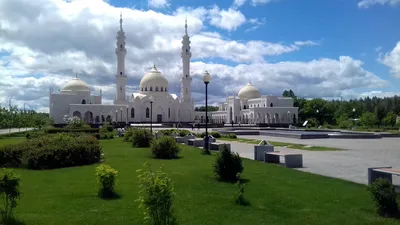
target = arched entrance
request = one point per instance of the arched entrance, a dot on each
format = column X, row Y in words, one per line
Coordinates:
column 77, row 114
column 88, row 117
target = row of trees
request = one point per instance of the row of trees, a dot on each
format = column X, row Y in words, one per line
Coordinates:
column 369, row 112
column 19, row 118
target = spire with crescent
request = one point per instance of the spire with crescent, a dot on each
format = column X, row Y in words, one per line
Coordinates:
column 120, row 21
column 186, row 26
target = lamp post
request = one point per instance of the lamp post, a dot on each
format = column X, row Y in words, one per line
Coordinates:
column 116, row 116
column 151, row 114
column 318, row 119
column 127, row 110
column 206, row 80
column 354, row 117
column 121, row 116
column 289, row 119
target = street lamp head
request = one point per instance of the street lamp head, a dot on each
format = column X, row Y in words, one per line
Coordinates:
column 206, row 77
column 354, row 109
column 317, row 111
column 116, row 110
column 121, row 109
column 151, row 99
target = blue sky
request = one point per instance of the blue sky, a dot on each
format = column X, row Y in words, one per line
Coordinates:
column 318, row 48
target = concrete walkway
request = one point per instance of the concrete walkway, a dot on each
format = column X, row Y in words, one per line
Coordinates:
column 349, row 165
column 13, row 130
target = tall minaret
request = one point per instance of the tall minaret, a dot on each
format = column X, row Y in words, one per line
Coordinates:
column 186, row 79
column 121, row 77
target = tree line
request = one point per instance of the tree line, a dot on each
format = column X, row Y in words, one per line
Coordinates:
column 368, row 112
column 14, row 117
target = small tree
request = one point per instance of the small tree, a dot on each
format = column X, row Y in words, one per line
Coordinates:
column 9, row 191
column 390, row 119
column 156, row 197
column 227, row 165
column 384, row 195
column 106, row 177
column 368, row 119
column 141, row 137
column 239, row 195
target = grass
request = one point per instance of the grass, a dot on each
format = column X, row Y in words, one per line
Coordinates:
column 284, row 144
column 276, row 195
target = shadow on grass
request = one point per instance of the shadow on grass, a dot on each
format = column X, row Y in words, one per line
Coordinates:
column 106, row 195
column 12, row 221
column 243, row 202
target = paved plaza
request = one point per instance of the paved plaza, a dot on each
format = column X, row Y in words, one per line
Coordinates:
column 349, row 165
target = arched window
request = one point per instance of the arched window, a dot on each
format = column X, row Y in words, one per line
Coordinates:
column 165, row 89
column 187, row 50
column 142, row 89
column 162, row 89
column 145, row 89
column 83, row 101
column 156, row 88
column 120, row 46
column 244, row 106
column 147, row 112
column 151, row 88
column 132, row 113
column 271, row 105
column 169, row 113
column 120, row 73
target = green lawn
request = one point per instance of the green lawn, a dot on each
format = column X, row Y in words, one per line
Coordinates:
column 277, row 195
column 284, row 144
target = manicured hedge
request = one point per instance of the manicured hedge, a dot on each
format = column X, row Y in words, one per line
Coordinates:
column 69, row 130
column 52, row 151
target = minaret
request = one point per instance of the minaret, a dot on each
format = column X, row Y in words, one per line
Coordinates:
column 121, row 77
column 186, row 79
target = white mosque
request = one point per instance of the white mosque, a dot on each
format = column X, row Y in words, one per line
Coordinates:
column 153, row 102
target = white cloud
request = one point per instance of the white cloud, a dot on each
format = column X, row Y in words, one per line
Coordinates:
column 368, row 3
column 158, row 3
column 239, row 3
column 229, row 19
column 46, row 41
column 392, row 60
column 256, row 23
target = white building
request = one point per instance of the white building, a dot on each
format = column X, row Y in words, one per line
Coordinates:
column 249, row 107
column 152, row 103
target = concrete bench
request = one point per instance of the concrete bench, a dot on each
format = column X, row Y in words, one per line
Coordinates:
column 261, row 149
column 179, row 139
column 188, row 137
column 382, row 172
column 292, row 160
column 197, row 142
column 216, row 145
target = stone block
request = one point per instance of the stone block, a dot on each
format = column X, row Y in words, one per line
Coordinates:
column 260, row 150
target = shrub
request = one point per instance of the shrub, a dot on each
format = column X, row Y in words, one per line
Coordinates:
column 385, row 197
column 106, row 178
column 69, row 130
column 9, row 192
column 239, row 195
column 183, row 133
column 141, row 137
column 231, row 136
column 165, row 147
column 156, row 197
column 227, row 165
column 128, row 135
column 345, row 124
column 52, row 151
column 215, row 134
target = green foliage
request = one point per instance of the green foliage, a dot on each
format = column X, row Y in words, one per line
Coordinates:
column 52, row 151
column 209, row 108
column 345, row 124
column 165, row 147
column 19, row 118
column 106, row 177
column 141, row 137
column 289, row 93
column 183, row 133
column 384, row 195
column 69, row 130
column 390, row 119
column 312, row 122
column 213, row 133
column 239, row 195
column 9, row 192
column 368, row 119
column 227, row 165
column 156, row 197
column 128, row 135
column 231, row 136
